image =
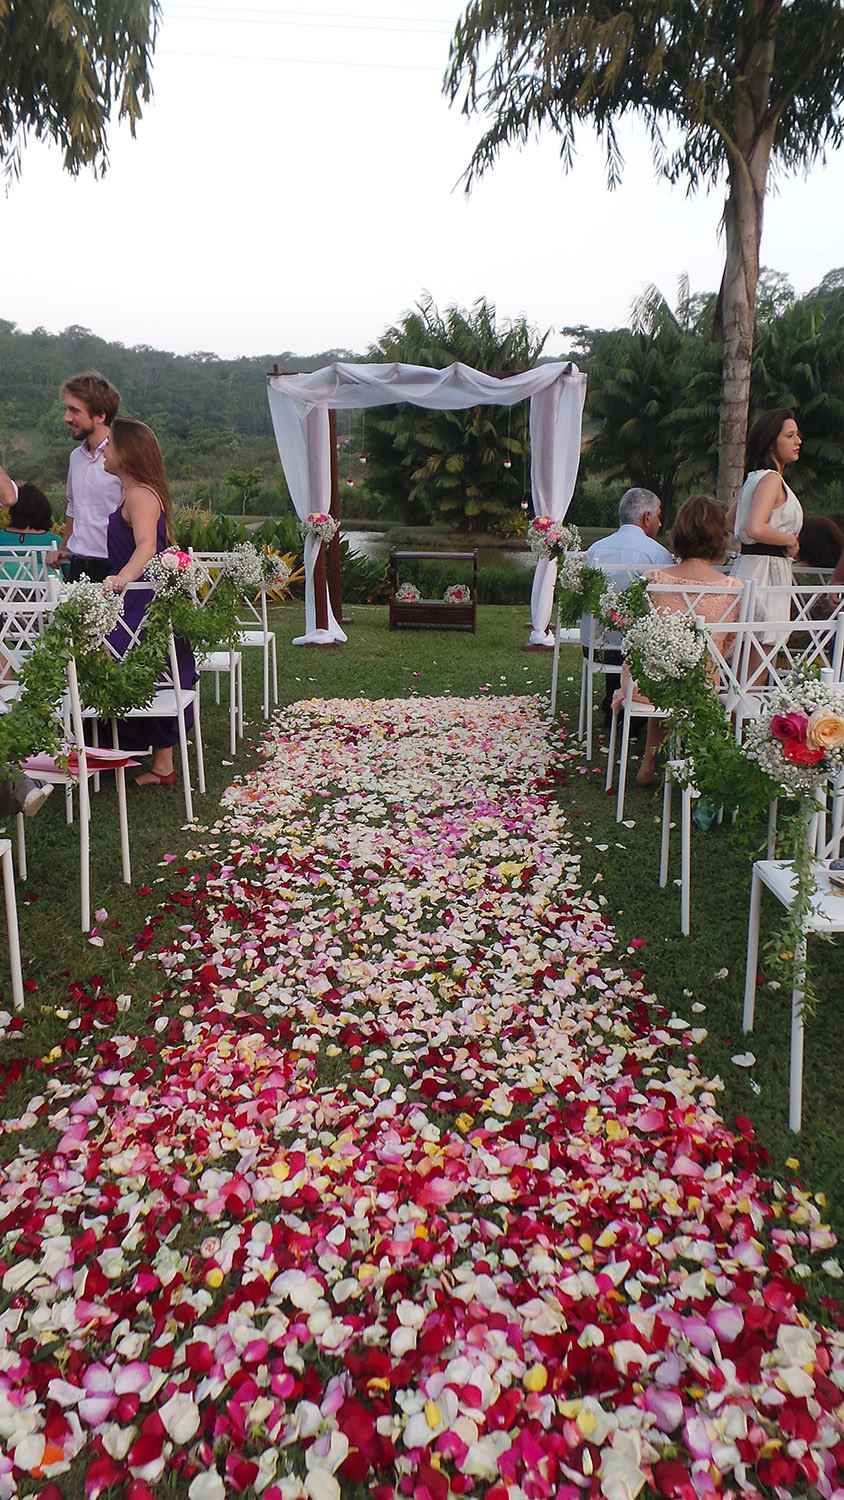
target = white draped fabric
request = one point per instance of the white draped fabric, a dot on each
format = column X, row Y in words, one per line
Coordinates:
column 299, row 406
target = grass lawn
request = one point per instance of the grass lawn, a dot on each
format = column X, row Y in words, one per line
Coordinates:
column 74, row 984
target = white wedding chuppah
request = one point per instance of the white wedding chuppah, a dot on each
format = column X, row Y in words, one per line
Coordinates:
column 299, row 406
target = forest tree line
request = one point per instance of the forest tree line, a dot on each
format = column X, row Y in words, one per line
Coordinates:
column 651, row 412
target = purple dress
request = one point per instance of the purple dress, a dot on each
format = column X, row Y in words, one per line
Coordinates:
column 138, row 734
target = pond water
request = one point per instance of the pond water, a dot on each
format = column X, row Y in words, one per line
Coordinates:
column 376, row 544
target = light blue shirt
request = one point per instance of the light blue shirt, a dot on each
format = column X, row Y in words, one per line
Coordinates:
column 629, row 545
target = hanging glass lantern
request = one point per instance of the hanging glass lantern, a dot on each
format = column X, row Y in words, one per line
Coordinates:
column 508, row 463
column 350, row 481
column 362, row 458
column 525, row 503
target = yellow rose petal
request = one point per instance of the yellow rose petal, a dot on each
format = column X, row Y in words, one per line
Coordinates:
column 536, row 1378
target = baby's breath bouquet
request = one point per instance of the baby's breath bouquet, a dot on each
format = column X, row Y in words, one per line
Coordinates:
column 548, row 538
column 458, row 593
column 318, row 524
column 407, row 593
column 86, row 613
column 243, row 566
column 662, row 645
column 176, row 572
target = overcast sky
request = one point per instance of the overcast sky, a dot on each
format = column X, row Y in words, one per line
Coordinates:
column 295, row 185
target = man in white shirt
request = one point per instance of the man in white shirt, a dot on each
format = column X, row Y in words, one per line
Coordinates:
column 90, row 405
column 634, row 544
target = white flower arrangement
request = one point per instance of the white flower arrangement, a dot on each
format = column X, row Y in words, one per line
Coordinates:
column 407, row 593
column 548, row 538
column 612, row 612
column 458, row 593
column 274, row 569
column 176, row 572
column 89, row 613
column 570, row 567
column 798, row 740
column 319, row 524
column 243, row 566
column 667, row 645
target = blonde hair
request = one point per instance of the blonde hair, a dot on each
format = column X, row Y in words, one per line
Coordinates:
column 140, row 459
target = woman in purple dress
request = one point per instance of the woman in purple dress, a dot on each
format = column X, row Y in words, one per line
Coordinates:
column 137, row 530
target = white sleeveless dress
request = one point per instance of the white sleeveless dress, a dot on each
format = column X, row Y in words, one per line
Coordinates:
column 773, row 574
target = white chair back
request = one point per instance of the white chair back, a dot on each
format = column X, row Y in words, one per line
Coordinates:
column 22, row 563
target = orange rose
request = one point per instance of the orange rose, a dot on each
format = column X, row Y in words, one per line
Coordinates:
column 825, row 730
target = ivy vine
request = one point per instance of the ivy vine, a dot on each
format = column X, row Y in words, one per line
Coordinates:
column 110, row 685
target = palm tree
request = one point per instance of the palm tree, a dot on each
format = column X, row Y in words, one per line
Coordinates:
column 465, row 468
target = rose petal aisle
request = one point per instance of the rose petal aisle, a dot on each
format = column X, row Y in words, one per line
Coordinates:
column 410, row 1190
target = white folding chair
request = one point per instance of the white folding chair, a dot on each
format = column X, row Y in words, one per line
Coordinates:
column 635, row 708
column 169, row 701
column 12, row 923
column 220, row 662
column 567, row 637
column 253, row 621
column 22, row 564
column 618, row 575
column 827, row 916
column 74, row 771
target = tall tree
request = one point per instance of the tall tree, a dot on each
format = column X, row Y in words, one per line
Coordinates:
column 722, row 87
column 65, row 67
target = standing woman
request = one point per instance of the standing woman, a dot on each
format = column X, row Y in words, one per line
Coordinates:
column 137, row 530
column 767, row 516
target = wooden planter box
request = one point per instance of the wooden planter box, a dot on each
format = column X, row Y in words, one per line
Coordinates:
column 435, row 612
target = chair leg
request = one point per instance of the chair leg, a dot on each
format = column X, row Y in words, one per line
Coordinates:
column 795, row 1075
column 622, row 769
column 232, row 706
column 200, row 755
column 752, row 951
column 686, row 862
column 183, row 747
column 266, row 677
column 123, row 820
column 21, row 832
column 85, row 854
column 12, row 926
column 275, row 669
column 611, row 753
column 239, row 676
column 665, row 839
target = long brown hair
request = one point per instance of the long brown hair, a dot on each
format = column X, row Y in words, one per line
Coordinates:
column 140, row 459
column 762, row 436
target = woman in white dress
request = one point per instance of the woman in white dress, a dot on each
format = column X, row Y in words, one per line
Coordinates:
column 767, row 516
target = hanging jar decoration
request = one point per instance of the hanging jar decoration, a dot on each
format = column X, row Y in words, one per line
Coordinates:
column 508, row 463
column 525, row 503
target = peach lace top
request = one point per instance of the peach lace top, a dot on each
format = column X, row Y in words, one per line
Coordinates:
column 711, row 607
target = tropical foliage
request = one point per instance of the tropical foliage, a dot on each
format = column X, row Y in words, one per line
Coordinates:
column 722, row 89
column 652, row 395
column 69, row 68
column 467, row 468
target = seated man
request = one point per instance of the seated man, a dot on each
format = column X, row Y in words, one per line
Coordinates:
column 634, row 544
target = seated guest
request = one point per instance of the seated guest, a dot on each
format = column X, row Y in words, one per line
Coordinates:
column 699, row 542
column 634, row 545
column 30, row 520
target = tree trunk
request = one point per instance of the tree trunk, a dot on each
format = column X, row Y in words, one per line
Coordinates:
column 748, row 150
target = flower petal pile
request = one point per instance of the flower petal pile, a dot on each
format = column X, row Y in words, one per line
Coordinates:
column 410, row 1186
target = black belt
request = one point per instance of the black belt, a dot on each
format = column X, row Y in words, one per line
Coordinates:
column 762, row 549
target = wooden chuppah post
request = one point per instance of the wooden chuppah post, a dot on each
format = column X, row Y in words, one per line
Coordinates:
column 315, row 452
column 334, row 584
